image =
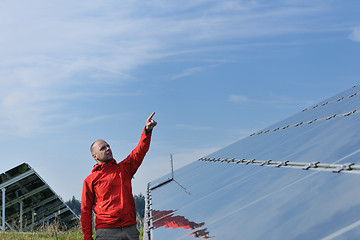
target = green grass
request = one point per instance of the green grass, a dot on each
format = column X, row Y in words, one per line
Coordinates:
column 74, row 234
column 53, row 232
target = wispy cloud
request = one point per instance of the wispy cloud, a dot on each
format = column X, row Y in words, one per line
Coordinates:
column 355, row 34
column 238, row 98
column 61, row 49
column 273, row 100
column 192, row 127
column 187, row 72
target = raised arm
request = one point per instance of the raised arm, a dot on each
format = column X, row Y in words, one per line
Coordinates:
column 135, row 158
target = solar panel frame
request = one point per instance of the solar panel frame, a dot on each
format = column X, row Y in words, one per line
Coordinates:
column 296, row 179
column 29, row 202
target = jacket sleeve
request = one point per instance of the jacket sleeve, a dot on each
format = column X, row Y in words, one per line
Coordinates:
column 135, row 158
column 87, row 202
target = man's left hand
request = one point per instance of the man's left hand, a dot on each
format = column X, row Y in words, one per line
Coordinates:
column 150, row 123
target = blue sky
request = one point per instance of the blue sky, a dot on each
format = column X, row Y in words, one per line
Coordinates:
column 214, row 72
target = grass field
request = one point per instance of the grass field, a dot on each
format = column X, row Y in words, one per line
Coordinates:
column 50, row 232
column 74, row 234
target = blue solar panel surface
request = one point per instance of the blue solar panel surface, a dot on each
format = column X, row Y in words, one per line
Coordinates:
column 235, row 193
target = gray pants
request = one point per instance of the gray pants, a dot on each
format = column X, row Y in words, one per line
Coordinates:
column 122, row 233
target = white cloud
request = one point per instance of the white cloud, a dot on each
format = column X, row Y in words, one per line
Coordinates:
column 192, row 127
column 355, row 35
column 188, row 72
column 50, row 47
column 238, row 98
column 274, row 101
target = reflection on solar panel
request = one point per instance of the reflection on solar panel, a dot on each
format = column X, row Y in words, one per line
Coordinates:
column 297, row 179
column 28, row 202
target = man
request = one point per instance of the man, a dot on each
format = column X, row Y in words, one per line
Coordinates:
column 108, row 190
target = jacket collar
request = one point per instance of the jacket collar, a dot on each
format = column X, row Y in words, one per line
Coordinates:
column 99, row 167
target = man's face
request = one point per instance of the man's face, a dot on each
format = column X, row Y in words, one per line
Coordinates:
column 101, row 151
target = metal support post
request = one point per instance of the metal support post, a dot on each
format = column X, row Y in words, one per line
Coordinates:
column 172, row 166
column 3, row 209
column 32, row 219
column 21, row 215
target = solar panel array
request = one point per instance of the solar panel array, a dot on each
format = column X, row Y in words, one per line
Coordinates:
column 27, row 202
column 297, row 179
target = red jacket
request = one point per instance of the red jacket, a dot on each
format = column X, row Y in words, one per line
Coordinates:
column 108, row 189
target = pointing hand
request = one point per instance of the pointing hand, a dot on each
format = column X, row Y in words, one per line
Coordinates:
column 150, row 123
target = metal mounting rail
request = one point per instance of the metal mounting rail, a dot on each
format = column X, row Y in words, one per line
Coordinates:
column 334, row 101
column 335, row 168
column 307, row 122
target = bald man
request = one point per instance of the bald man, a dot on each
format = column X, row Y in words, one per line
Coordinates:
column 108, row 190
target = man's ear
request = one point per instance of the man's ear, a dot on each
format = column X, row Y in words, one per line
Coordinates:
column 94, row 156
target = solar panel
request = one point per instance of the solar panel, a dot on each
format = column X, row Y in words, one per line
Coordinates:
column 28, row 201
column 297, row 179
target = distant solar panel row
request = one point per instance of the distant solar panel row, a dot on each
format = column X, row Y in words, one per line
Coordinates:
column 256, row 188
column 27, row 202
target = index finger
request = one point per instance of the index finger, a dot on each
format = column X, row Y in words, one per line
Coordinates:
column 151, row 116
